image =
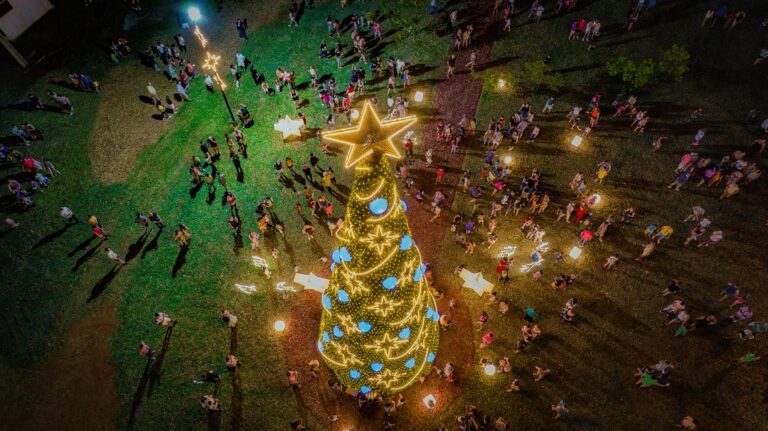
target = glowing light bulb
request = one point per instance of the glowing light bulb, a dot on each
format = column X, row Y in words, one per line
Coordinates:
column 501, row 83
column 508, row 160
column 194, row 13
column 419, row 96
column 279, row 326
column 355, row 114
column 489, row 369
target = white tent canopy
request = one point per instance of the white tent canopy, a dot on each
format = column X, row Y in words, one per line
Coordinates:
column 22, row 15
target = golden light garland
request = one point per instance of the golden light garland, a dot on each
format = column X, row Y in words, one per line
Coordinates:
column 379, row 329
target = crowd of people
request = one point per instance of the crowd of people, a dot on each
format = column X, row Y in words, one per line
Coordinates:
column 494, row 192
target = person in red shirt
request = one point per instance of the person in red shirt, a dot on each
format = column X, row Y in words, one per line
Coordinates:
column 439, row 176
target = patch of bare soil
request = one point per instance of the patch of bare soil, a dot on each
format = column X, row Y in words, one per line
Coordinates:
column 74, row 388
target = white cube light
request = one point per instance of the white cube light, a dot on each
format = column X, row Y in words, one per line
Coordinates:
column 390, row 102
column 575, row 252
column 501, row 83
column 576, row 141
column 419, row 96
column 355, row 114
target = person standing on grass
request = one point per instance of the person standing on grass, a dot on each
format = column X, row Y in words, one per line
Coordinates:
column 143, row 221
column 182, row 236
column 560, row 409
column 648, row 249
column 147, row 350
column 611, row 261
column 182, row 91
column 451, row 62
column 154, row 218
column 68, row 215
column 115, row 257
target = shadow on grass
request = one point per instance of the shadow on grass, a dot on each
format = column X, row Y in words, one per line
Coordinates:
column 195, row 189
column 84, row 258
column 138, row 395
column 181, row 259
column 51, row 236
column 156, row 369
column 135, row 248
column 102, row 284
column 153, row 245
column 82, row 246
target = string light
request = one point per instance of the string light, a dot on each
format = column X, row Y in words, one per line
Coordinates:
column 378, row 330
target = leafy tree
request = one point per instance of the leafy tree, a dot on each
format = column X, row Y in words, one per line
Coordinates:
column 540, row 74
column 633, row 75
column 674, row 62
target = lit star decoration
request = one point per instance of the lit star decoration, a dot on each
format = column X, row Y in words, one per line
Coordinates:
column 369, row 136
column 475, row 281
column 211, row 62
column 289, row 127
column 537, row 257
column 380, row 240
column 386, row 315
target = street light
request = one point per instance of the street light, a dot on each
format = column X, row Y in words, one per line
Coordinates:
column 194, row 13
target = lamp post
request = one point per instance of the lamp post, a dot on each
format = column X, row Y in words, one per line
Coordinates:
column 211, row 61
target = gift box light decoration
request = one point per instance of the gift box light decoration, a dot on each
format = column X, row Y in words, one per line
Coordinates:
column 576, row 141
column 575, row 252
column 378, row 330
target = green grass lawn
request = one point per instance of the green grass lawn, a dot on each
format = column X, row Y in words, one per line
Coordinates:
column 618, row 326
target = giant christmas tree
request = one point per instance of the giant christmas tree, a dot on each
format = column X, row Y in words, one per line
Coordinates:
column 379, row 329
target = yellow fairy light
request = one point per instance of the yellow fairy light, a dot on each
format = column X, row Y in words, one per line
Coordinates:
column 379, row 328
column 380, row 240
column 201, row 37
column 211, row 61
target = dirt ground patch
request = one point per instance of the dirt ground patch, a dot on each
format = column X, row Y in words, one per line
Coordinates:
column 74, row 388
